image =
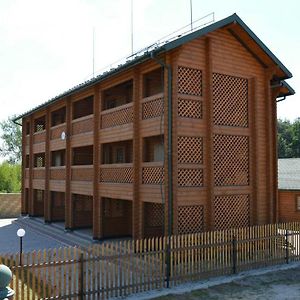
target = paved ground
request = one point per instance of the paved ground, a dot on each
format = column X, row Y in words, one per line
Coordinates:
column 10, row 243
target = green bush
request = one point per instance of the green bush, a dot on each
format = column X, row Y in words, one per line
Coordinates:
column 10, row 178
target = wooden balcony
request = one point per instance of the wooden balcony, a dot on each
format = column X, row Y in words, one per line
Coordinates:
column 117, row 116
column 82, row 125
column 39, row 173
column 56, row 131
column 116, row 173
column 82, row 173
column 39, row 137
column 58, row 173
column 152, row 173
column 152, row 107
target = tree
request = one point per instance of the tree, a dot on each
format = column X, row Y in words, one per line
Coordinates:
column 288, row 138
column 11, row 136
column 10, row 178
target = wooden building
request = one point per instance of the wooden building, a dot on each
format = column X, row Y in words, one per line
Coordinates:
column 289, row 189
column 191, row 123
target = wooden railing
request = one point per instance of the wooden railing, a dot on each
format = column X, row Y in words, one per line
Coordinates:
column 152, row 173
column 82, row 125
column 83, row 173
column 117, row 116
column 39, row 137
column 153, row 106
column 116, row 173
column 126, row 267
column 39, row 173
column 58, row 173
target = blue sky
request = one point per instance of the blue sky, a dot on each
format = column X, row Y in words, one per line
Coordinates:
column 46, row 46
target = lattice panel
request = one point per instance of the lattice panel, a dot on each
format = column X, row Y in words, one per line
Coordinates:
column 116, row 118
column 56, row 132
column 82, row 126
column 116, row 175
column 231, row 160
column 190, row 149
column 189, row 81
column 230, row 100
column 190, row 108
column 153, row 108
column 154, row 214
column 58, row 174
column 190, row 177
column 39, row 174
column 190, row 219
column 83, row 174
column 39, row 137
column 232, row 211
column 152, row 175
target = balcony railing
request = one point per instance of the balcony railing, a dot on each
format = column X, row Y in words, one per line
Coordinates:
column 55, row 132
column 58, row 173
column 83, row 173
column 117, row 116
column 116, row 173
column 153, row 106
column 39, row 173
column 82, row 125
column 39, row 137
column 152, row 173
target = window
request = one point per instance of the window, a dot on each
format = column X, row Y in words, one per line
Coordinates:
column 27, row 128
column 58, row 158
column 27, row 161
column 153, row 82
column 58, row 116
column 39, row 195
column 298, row 202
column 120, row 157
column 40, row 124
column 154, row 148
column 83, row 155
column 118, row 95
column 83, row 107
column 39, row 160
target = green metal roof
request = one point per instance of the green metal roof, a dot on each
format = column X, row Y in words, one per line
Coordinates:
column 164, row 48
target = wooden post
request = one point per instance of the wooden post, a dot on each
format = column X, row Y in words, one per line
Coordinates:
column 31, row 162
column 208, row 100
column 24, row 205
column 47, row 200
column 253, row 151
column 136, row 203
column 97, row 234
column 68, row 198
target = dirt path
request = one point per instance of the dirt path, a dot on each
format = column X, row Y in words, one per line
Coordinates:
column 276, row 285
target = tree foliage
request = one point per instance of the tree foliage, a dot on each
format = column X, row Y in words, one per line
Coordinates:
column 10, row 178
column 288, row 138
column 11, row 136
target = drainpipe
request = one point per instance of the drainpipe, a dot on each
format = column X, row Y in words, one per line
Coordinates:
column 170, row 168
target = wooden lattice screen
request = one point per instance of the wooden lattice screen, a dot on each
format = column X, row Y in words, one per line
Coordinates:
column 230, row 100
column 117, row 117
column 116, row 175
column 190, row 177
column 232, row 211
column 231, row 160
column 153, row 108
column 190, row 219
column 154, row 214
column 190, row 149
column 153, row 175
column 188, row 108
column 189, row 81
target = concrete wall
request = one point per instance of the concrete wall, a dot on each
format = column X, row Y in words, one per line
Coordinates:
column 10, row 205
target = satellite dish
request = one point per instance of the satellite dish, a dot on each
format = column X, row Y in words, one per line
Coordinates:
column 63, row 136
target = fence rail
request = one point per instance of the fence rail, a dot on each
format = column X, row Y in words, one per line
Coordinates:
column 117, row 269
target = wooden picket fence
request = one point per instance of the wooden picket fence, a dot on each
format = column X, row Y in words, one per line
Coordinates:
column 118, row 269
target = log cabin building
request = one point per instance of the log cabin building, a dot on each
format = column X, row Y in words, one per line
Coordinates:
column 185, row 133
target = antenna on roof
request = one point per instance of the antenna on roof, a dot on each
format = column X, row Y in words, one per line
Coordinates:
column 131, row 26
column 191, row 8
column 93, row 52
